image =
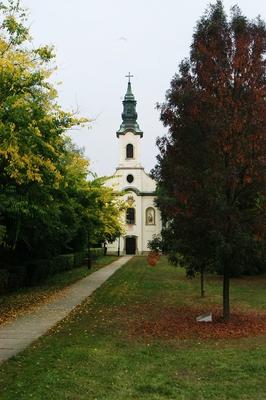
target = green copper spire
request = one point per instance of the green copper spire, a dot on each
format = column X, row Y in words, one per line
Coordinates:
column 129, row 115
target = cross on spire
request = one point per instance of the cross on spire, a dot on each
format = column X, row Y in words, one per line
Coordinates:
column 129, row 76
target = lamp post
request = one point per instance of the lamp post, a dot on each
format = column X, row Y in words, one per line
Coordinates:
column 104, row 248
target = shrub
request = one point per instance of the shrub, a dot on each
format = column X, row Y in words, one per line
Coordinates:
column 4, row 275
column 64, row 262
column 38, row 270
column 79, row 257
column 18, row 277
column 97, row 252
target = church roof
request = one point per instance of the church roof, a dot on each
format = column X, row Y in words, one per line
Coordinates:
column 129, row 114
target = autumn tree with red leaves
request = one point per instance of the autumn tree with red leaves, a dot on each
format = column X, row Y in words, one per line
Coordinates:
column 211, row 170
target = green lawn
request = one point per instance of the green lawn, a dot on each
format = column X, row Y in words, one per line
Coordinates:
column 26, row 299
column 97, row 352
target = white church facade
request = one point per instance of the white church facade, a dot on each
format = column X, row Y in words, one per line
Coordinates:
column 141, row 219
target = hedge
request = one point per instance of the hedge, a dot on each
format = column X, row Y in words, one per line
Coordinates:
column 4, row 276
column 97, row 251
column 35, row 271
column 79, row 258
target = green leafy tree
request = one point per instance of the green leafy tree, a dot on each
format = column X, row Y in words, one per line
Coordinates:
column 31, row 126
column 47, row 203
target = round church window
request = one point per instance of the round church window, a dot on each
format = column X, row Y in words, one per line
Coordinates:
column 130, row 178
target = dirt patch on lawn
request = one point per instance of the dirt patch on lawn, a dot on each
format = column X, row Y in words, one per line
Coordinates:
column 150, row 321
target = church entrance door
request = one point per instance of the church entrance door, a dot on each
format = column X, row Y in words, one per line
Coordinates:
column 130, row 245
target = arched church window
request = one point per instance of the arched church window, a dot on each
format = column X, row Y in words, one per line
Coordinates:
column 130, row 151
column 130, row 216
column 150, row 216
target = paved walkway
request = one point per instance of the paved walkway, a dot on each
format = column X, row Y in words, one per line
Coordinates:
column 17, row 335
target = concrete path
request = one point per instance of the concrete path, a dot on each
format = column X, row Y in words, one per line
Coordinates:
column 20, row 333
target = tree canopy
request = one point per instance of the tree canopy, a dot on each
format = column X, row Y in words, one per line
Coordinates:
column 47, row 203
column 211, row 169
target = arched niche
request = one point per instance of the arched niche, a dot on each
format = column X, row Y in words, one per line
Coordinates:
column 150, row 216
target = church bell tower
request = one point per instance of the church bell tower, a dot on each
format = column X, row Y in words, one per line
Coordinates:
column 141, row 218
column 129, row 133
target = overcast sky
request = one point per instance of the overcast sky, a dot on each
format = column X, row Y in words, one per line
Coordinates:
column 99, row 41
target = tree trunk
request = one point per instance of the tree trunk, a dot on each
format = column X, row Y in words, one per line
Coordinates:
column 226, row 298
column 89, row 253
column 202, row 290
column 118, row 249
column 17, row 233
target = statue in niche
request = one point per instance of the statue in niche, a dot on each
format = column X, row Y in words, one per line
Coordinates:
column 130, row 201
column 150, row 216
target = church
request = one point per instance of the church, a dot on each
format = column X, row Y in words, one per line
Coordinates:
column 142, row 219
